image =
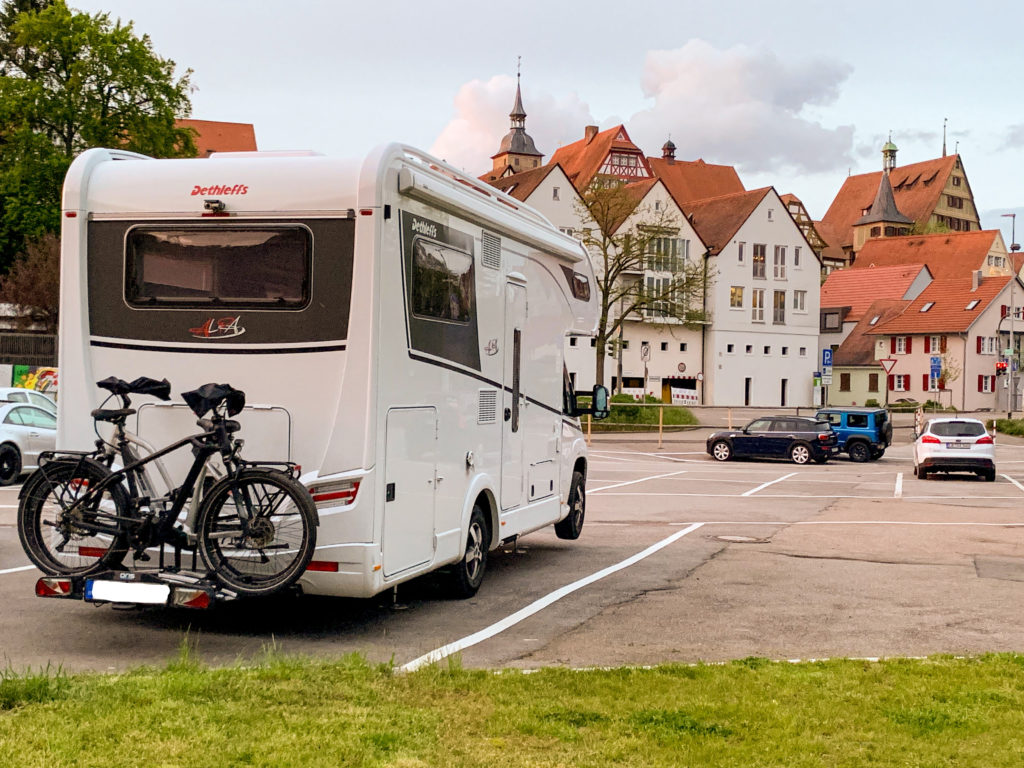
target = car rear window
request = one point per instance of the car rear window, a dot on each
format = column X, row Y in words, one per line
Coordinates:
column 958, row 429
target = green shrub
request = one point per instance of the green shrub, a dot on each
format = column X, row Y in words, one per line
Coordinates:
column 872, row 403
column 1007, row 426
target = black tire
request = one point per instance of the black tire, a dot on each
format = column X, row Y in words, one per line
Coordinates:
column 62, row 539
column 721, row 450
column 10, row 464
column 859, row 452
column 269, row 550
column 877, row 454
column 800, row 453
column 922, row 473
column 572, row 525
column 821, row 460
column 467, row 575
column 990, row 475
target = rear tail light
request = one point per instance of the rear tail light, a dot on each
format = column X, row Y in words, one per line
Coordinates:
column 190, row 598
column 53, row 587
column 92, row 551
column 322, row 565
column 335, row 494
column 825, row 437
column 986, row 440
column 930, row 439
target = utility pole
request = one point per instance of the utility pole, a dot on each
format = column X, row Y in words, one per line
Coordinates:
column 1011, row 393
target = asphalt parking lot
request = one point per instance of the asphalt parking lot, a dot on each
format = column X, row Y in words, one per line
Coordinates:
column 682, row 559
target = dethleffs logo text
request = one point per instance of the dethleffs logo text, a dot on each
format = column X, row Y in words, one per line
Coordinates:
column 424, row 228
column 221, row 189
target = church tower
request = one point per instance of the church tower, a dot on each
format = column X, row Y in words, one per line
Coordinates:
column 517, row 151
column 883, row 218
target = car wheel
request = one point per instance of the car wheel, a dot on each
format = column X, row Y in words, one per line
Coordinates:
column 10, row 463
column 876, row 454
column 572, row 525
column 859, row 452
column 922, row 473
column 721, row 450
column 468, row 573
column 990, row 475
column 821, row 459
column 800, row 453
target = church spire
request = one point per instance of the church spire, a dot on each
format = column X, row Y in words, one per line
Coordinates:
column 517, row 151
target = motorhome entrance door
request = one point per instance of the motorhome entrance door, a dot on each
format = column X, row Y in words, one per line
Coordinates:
column 410, row 482
column 512, row 433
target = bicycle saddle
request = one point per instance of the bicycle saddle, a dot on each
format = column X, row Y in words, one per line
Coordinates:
column 112, row 415
column 141, row 386
column 209, row 396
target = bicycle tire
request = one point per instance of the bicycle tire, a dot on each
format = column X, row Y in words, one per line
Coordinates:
column 268, row 553
column 56, row 539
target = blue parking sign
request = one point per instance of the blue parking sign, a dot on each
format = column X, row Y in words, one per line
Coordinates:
column 826, row 358
column 936, row 367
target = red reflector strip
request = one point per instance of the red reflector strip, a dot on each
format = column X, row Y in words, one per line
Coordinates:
column 346, row 495
column 366, row 211
column 322, row 565
column 71, row 214
column 53, row 587
column 92, row 551
column 191, row 598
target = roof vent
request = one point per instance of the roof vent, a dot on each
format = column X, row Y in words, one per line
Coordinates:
column 490, row 250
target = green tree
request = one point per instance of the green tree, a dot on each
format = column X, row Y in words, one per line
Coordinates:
column 71, row 81
column 32, row 286
column 626, row 242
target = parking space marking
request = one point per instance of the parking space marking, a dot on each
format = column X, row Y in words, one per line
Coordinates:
column 817, row 496
column 762, row 486
column 1021, row 487
column 17, row 570
column 898, row 490
column 633, row 482
column 538, row 605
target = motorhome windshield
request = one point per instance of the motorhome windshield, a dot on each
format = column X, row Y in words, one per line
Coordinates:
column 260, row 267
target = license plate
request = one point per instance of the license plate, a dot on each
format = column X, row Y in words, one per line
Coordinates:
column 958, row 445
column 127, row 592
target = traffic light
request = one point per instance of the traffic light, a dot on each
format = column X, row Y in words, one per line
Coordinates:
column 1001, row 366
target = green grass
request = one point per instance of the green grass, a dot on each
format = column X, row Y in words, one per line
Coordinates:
column 941, row 711
column 1007, row 426
column 627, row 415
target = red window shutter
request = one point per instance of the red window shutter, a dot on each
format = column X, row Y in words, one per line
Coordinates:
column 981, row 383
column 892, row 382
column 979, row 345
column 892, row 345
column 927, row 344
column 909, row 346
column 925, row 381
column 1002, row 310
column 942, row 345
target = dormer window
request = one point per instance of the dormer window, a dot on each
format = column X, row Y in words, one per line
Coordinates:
column 875, row 319
column 973, row 304
column 928, row 306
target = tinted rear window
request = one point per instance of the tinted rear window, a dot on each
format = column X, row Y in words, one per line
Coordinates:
column 957, row 429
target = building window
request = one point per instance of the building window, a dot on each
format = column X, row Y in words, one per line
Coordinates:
column 954, row 202
column 593, row 342
column 831, row 321
column 986, row 384
column 803, row 351
column 928, row 305
column 625, row 343
column 572, row 341
column 554, row 193
column 996, row 261
column 785, row 351
column 667, row 254
column 664, row 346
column 767, row 349
column 796, row 255
column 730, row 348
column 780, row 262
column 876, row 232
column 567, row 231
column 736, row 296
column 779, row 308
column 757, row 305
column 682, row 347
column 956, row 181
column 739, row 252
column 800, row 301
column 900, row 382
column 750, row 349
column 872, row 382
column 901, row 345
column 987, row 345
column 844, row 382
column 760, row 252
column 771, row 213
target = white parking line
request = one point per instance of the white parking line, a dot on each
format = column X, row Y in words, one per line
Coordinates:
column 898, row 490
column 633, row 482
column 752, row 491
column 538, row 605
column 1021, row 487
column 18, row 570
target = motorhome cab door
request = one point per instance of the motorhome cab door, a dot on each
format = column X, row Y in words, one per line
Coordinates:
column 512, row 472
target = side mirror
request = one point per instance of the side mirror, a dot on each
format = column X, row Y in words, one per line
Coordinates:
column 599, row 403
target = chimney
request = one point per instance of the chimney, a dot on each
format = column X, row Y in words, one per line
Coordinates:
column 976, row 278
column 589, row 133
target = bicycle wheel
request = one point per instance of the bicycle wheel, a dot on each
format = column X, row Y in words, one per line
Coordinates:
column 64, row 538
column 257, row 531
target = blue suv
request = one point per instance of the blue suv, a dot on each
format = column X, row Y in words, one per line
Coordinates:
column 864, row 433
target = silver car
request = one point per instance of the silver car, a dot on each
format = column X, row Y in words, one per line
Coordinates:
column 31, row 396
column 25, row 432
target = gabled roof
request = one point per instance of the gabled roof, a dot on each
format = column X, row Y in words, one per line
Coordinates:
column 833, row 249
column 582, row 159
column 858, row 288
column 695, row 180
column 717, row 219
column 858, row 348
column 950, row 298
column 523, row 184
column 947, row 255
column 637, row 191
column 916, row 190
column 214, row 136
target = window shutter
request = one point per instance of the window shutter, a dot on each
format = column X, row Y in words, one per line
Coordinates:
column 892, row 345
column 942, row 345
column 942, row 383
column 925, row 381
column 909, row 345
column 981, row 383
column 1002, row 310
column 927, row 344
column 892, row 382
column 979, row 345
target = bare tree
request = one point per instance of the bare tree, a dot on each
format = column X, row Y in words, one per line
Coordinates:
column 638, row 269
column 32, row 286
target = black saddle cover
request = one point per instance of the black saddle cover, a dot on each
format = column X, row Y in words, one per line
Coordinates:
column 209, row 396
column 141, row 386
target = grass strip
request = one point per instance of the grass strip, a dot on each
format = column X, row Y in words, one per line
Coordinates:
column 285, row 711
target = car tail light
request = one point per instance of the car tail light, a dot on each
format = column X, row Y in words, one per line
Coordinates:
column 986, row 440
column 335, row 494
column 190, row 598
column 824, row 437
column 53, row 587
column 930, row 439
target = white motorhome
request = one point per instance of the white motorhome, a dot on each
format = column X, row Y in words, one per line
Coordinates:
column 401, row 324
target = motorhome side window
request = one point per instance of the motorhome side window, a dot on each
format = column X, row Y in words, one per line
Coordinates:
column 257, row 267
column 579, row 285
column 442, row 282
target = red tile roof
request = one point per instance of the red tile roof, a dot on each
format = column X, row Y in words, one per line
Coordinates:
column 858, row 288
column 717, row 219
column 916, row 190
column 858, row 348
column 834, row 250
column 214, row 136
column 696, row 180
column 523, row 184
column 947, row 255
column 950, row 298
column 582, row 159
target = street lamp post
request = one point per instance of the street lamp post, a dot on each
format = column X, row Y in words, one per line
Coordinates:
column 1012, row 381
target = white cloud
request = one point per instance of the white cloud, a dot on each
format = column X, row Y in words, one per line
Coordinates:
column 743, row 107
column 481, row 119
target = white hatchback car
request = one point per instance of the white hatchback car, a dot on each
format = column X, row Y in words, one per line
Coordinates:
column 955, row 445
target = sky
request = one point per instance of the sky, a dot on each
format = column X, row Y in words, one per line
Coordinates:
column 796, row 94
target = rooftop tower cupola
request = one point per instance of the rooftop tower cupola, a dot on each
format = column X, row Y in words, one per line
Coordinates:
column 517, row 151
column 889, row 151
column 668, row 152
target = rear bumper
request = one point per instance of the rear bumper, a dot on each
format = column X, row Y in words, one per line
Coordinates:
column 956, row 464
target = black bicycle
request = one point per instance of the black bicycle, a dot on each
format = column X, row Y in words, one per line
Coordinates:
column 252, row 523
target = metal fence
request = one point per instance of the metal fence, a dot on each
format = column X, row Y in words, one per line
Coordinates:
column 33, row 349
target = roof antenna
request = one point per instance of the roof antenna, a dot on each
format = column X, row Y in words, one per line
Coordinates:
column 944, row 121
